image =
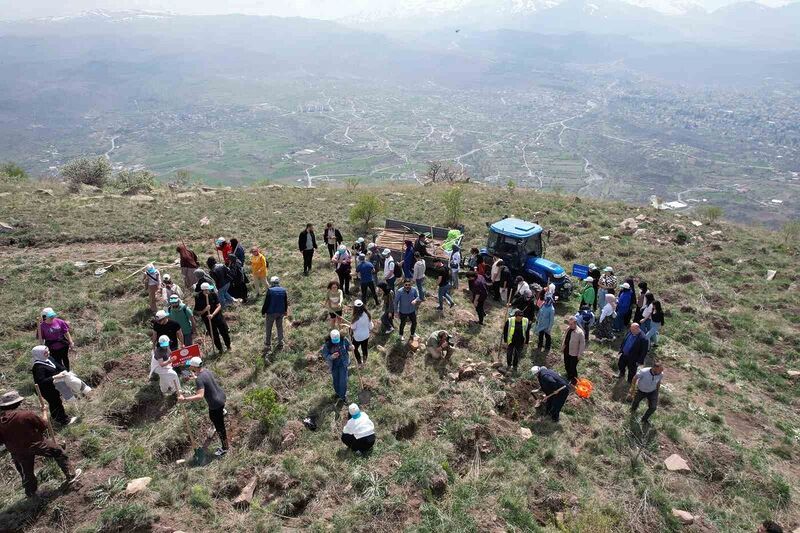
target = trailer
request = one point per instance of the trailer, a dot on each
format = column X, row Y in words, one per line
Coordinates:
column 395, row 233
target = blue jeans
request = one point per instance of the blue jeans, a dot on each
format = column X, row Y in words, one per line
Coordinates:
column 339, row 375
column 646, row 325
column 652, row 333
column 387, row 322
column 224, row 298
column 444, row 295
column 420, row 288
column 619, row 321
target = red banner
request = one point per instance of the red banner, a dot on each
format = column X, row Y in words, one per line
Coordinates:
column 180, row 357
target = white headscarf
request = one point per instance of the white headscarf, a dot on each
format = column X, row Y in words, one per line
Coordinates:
column 40, row 353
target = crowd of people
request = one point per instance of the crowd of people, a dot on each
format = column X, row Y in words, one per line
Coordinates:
column 394, row 286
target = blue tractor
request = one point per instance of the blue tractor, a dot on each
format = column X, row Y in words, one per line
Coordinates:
column 519, row 244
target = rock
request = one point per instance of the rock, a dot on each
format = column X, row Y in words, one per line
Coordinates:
column 466, row 373
column 771, row 274
column 137, row 485
column 90, row 189
column 715, row 233
column 640, row 233
column 525, row 433
column 5, row 228
column 676, row 463
column 481, row 379
column 274, row 186
column 45, row 192
column 499, row 397
column 497, row 364
column 143, row 198
column 454, row 376
column 289, row 433
column 4, row 194
column 793, row 373
column 243, row 500
column 560, row 519
column 629, row 225
column 186, row 195
column 641, row 217
column 696, row 223
column 204, row 221
column 605, row 238
column 686, row 518
column 208, row 193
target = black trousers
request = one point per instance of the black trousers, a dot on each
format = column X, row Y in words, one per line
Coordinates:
column 571, row 365
column 365, row 290
column 61, row 355
column 363, row 345
column 364, row 444
column 553, row 405
column 513, row 354
column 217, row 329
column 479, row 308
column 344, row 281
column 630, row 365
column 331, row 250
column 308, row 255
column 411, row 317
column 24, row 463
column 652, row 403
column 545, row 338
column 53, row 398
column 217, row 417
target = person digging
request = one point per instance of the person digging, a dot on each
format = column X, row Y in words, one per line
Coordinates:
column 212, row 393
column 24, row 435
column 556, row 389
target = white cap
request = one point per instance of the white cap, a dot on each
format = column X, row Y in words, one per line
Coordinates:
column 167, row 277
column 386, row 252
column 48, row 312
column 335, row 336
column 205, row 286
column 220, row 240
column 535, row 370
column 174, row 298
column 161, row 314
column 342, row 247
column 358, row 303
column 370, row 246
column 274, row 280
column 360, row 239
column 608, row 269
column 353, row 409
column 626, row 285
column 194, row 362
column 163, row 341
column 592, row 266
column 588, row 278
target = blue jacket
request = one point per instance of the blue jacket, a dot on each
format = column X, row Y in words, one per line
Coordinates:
column 366, row 271
column 624, row 301
column 403, row 299
column 275, row 302
column 545, row 318
column 551, row 381
column 638, row 349
column 329, row 349
column 408, row 262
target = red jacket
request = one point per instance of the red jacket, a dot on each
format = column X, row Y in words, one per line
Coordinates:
column 226, row 250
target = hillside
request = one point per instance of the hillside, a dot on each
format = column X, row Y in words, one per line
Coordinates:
column 449, row 456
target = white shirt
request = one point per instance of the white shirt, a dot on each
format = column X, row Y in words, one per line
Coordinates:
column 455, row 258
column 388, row 268
column 523, row 287
column 647, row 382
column 359, row 427
column 648, row 312
column 419, row 269
column 361, row 328
column 608, row 310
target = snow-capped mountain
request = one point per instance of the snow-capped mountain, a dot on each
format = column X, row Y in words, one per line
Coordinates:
column 111, row 16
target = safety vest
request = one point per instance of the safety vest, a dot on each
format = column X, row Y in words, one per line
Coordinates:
column 512, row 324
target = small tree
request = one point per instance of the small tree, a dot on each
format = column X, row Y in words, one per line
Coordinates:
column 453, row 200
column 183, row 177
column 711, row 213
column 86, row 171
column 791, row 234
column 262, row 405
column 133, row 181
column 352, row 182
column 13, row 172
column 367, row 208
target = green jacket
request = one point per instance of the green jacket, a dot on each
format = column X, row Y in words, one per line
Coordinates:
column 587, row 296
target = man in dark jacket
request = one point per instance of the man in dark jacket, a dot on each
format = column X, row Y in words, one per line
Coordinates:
column 632, row 352
column 276, row 306
column 23, row 434
column 555, row 387
column 307, row 243
column 222, row 280
column 480, row 291
column 333, row 238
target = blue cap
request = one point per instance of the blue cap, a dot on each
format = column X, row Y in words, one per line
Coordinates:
column 50, row 314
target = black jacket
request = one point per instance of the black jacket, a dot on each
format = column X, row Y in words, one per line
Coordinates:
column 551, row 381
column 43, row 376
column 221, row 275
column 336, row 233
column 639, row 349
column 301, row 240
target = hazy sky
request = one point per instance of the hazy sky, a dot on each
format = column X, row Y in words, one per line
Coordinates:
column 15, row 9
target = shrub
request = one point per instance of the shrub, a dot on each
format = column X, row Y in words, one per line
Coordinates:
column 352, row 183
column 368, row 207
column 791, row 232
column 711, row 213
column 13, row 172
column 125, row 517
column 182, row 178
column 681, row 238
column 199, row 497
column 453, row 200
column 133, row 181
column 263, row 405
column 86, row 171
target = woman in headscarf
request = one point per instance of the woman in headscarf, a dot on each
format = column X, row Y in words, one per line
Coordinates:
column 605, row 325
column 409, row 260
column 152, row 284
column 55, row 334
column 544, row 323
column 202, row 277
column 238, row 288
column 161, row 364
column 238, row 251
column 44, row 370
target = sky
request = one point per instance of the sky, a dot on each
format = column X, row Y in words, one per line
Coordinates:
column 326, row 9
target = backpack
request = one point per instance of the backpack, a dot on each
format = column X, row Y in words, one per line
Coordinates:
column 398, row 270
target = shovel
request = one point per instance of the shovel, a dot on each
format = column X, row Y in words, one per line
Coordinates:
column 199, row 457
column 540, row 401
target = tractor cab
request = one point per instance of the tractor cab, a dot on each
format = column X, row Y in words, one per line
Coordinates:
column 519, row 244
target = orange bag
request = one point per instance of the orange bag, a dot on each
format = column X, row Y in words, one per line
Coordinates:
column 583, row 388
